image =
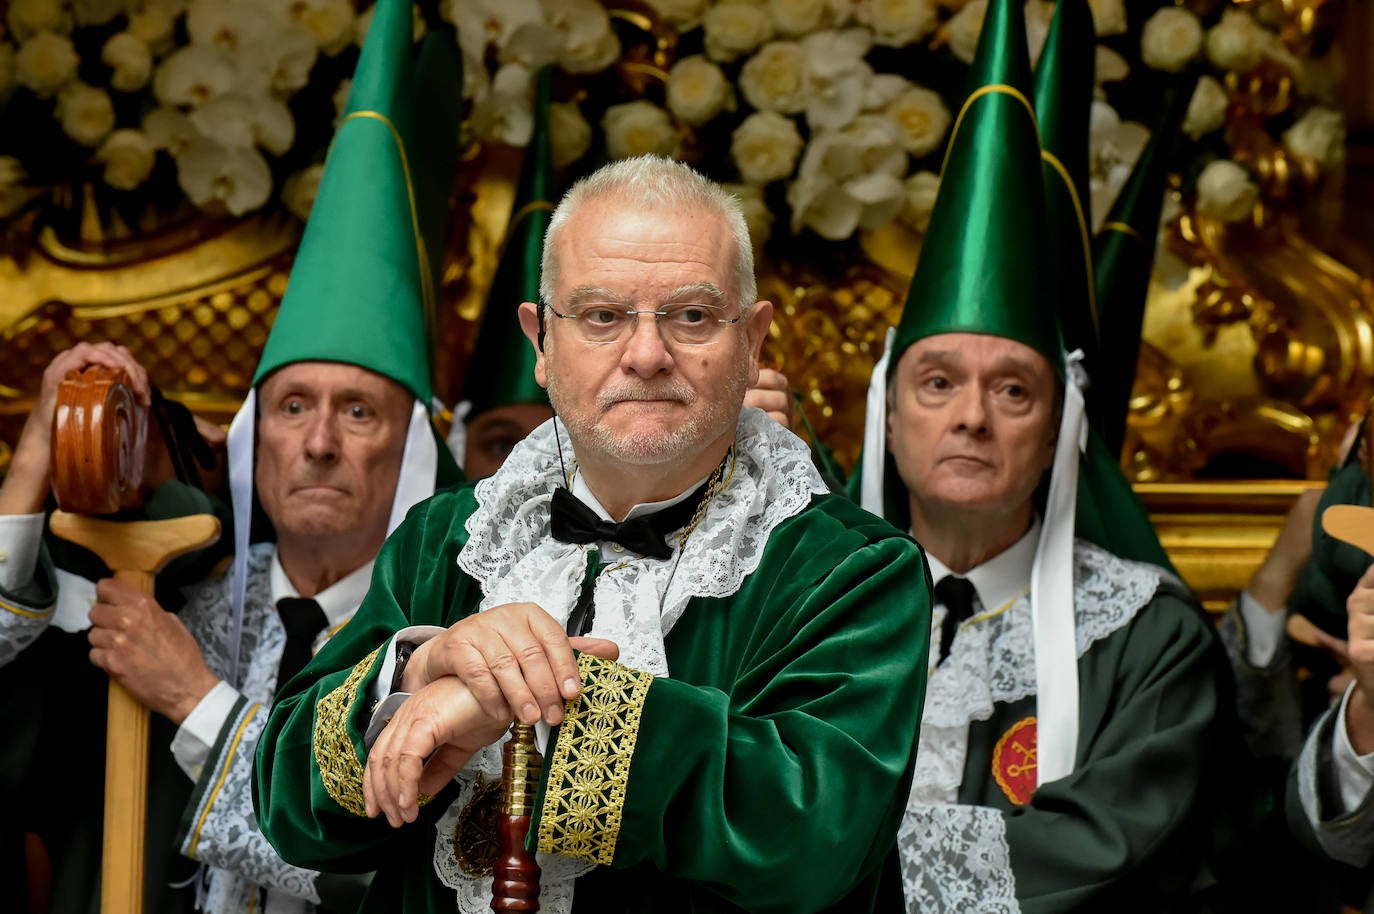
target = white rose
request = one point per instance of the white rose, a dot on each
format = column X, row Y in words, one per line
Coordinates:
column 682, row 15
column 1113, row 148
column 1206, row 109
column 589, row 44
column 1318, row 135
column 215, row 178
column 45, row 63
column 330, row 23
column 923, row 119
column 898, row 23
column 774, row 79
column 570, row 136
column 883, row 89
column 193, row 75
column 169, row 129
column 505, row 114
column 765, row 147
column 964, row 28
column 1225, row 191
column 13, row 193
column 698, row 90
column 153, row 26
column 735, row 29
column 299, row 190
column 27, row 18
column 85, row 112
column 1109, row 16
column 796, row 17
column 837, row 76
column 757, row 215
column 97, row 12
column 1111, row 67
column 1171, row 39
column 128, row 157
column 921, row 190
column 638, row 128
column 131, row 60
column 1237, row 42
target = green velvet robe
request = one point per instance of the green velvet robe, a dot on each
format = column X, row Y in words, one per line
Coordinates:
column 768, row 774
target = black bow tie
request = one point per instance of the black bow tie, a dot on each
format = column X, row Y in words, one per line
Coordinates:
column 573, row 522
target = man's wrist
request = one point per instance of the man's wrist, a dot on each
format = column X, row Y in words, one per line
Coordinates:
column 405, row 650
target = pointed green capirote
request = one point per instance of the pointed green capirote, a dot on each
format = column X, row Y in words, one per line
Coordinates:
column 501, row 369
column 1124, row 253
column 362, row 290
column 1063, row 107
column 984, row 265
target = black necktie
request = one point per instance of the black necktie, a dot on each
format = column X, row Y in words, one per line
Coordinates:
column 303, row 620
column 571, row 521
column 957, row 595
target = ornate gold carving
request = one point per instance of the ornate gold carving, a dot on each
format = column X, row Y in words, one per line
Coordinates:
column 590, row 762
column 341, row 771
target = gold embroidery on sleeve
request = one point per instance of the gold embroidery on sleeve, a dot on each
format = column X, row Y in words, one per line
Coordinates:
column 340, row 770
column 590, row 767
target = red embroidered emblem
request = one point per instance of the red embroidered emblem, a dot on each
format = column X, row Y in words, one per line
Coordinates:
column 1014, row 762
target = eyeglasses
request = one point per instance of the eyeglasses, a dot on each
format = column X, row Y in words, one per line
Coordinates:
column 688, row 324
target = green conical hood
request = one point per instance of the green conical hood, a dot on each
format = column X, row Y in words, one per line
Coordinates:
column 1063, row 106
column 984, row 265
column 362, row 289
column 501, row 369
column 1109, row 513
column 1123, row 255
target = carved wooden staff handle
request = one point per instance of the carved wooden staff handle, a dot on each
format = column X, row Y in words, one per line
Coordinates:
column 98, row 442
column 515, row 875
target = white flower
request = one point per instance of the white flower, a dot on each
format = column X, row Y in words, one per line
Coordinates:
column 506, row 113
column 698, row 90
column 193, row 75
column 85, row 112
column 298, row 193
column 570, row 136
column 13, row 193
column 213, row 178
column 1318, row 135
column 27, row 18
column 1225, row 191
column 329, row 22
column 487, row 24
column 837, row 76
column 279, row 64
column 796, row 17
column 131, row 60
column 964, row 28
column 921, row 189
column 637, row 128
column 765, row 147
column 239, row 121
column 735, row 29
column 774, row 79
column 1113, row 148
column 1237, row 42
column 45, row 63
column 153, row 25
column 923, row 119
column 1206, row 109
column 169, row 129
column 883, row 89
column 230, row 25
column 589, row 44
column 1111, row 67
column 97, row 12
column 1109, row 16
column 898, row 23
column 849, row 179
column 757, row 216
column 128, row 157
column 680, row 14
column 1171, row 39
column 1038, row 15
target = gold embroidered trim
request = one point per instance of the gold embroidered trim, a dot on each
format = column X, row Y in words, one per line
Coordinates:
column 590, row 767
column 340, row 770
column 28, row 613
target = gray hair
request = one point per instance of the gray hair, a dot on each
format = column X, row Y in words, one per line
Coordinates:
column 653, row 182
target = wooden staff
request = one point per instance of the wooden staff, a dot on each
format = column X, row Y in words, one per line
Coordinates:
column 515, row 875
column 98, row 445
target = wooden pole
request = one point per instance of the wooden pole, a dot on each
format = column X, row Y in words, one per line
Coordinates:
column 135, row 551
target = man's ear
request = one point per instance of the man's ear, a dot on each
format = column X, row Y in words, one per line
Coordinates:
column 758, row 320
column 532, row 323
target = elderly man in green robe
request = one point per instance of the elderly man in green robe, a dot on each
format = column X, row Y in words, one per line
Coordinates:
column 751, row 747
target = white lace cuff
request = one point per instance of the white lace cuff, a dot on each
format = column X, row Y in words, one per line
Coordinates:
column 20, row 538
column 198, row 732
column 1264, row 631
column 1354, row 773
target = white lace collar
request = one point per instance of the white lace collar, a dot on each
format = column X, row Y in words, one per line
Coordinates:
column 1002, row 578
